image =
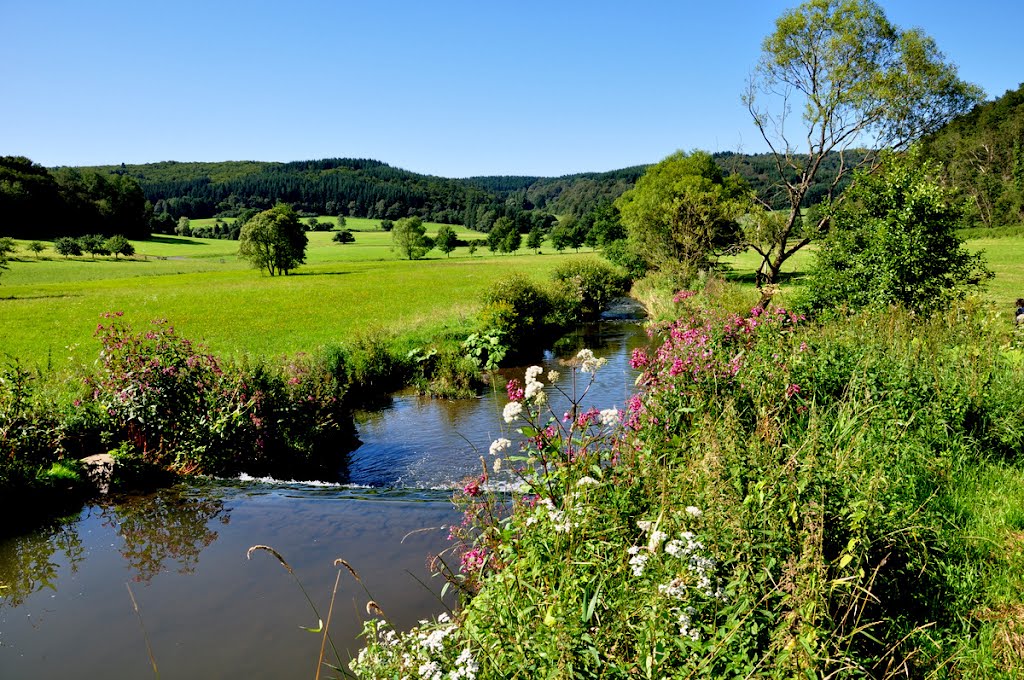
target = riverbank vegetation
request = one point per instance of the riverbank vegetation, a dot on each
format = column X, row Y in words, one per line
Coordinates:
column 780, row 498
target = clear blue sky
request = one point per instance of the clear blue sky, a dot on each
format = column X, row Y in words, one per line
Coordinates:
column 446, row 88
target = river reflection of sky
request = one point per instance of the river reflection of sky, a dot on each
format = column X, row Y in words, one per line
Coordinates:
column 207, row 611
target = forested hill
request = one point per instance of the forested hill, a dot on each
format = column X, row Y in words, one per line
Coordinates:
column 370, row 188
column 982, row 154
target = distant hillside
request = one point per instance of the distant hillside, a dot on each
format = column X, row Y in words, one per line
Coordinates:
column 370, row 188
column 982, row 155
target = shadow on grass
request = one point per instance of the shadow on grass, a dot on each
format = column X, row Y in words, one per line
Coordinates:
column 751, row 277
column 37, row 297
column 175, row 240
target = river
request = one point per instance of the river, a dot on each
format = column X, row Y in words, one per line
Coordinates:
column 203, row 610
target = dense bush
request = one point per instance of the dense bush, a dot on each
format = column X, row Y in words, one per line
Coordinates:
column 590, row 285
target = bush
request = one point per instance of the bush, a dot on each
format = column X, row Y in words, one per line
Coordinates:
column 517, row 308
column 592, row 284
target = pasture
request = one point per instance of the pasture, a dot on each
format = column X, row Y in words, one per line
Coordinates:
column 49, row 306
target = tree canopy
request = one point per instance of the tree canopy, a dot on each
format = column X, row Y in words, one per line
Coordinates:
column 857, row 80
column 410, row 239
column 683, row 212
column 893, row 241
column 274, row 240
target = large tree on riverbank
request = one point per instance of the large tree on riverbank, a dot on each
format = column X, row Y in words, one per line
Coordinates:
column 857, row 81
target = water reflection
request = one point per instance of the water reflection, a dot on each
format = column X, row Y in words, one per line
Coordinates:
column 32, row 562
column 169, row 527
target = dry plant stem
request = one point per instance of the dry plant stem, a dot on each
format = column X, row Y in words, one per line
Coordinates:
column 327, row 625
column 145, row 635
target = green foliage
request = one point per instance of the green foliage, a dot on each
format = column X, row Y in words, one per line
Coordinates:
column 980, row 154
column 446, row 240
column 6, row 250
column 893, row 242
column 36, row 247
column 94, row 244
column 516, row 308
column 591, row 285
column 274, row 240
column 856, row 77
column 683, row 213
column 119, row 245
column 409, row 238
column 344, row 236
column 67, row 246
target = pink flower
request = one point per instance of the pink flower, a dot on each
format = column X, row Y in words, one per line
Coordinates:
column 515, row 392
column 792, row 390
column 471, row 489
column 473, row 560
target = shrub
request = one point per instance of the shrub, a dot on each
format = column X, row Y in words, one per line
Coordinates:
column 517, row 308
column 592, row 284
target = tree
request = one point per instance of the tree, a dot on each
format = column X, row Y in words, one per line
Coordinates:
column 36, row 247
column 7, row 248
column 535, row 239
column 446, row 240
column 512, row 240
column 67, row 246
column 409, row 238
column 893, row 241
column 858, row 80
column 94, row 244
column 344, row 236
column 119, row 245
column 499, row 233
column 184, row 227
column 387, row 225
column 682, row 214
column 341, row 221
column 274, row 240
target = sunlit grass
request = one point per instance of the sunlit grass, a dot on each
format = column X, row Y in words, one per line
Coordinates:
column 51, row 306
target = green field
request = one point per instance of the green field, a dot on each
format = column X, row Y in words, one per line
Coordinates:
column 49, row 306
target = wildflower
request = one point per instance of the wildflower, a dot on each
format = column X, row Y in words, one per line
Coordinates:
column 693, row 511
column 792, row 390
column 473, row 560
column 472, row 489
column 465, row 667
column 499, row 445
column 515, row 392
column 532, row 372
column 638, row 561
column 512, row 411
column 587, row 481
column 430, row 670
column 497, row 465
column 552, row 376
column 588, row 363
column 610, row 417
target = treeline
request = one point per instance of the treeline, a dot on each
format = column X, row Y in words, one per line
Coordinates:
column 39, row 203
column 982, row 155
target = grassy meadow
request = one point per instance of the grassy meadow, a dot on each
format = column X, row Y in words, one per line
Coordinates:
column 50, row 305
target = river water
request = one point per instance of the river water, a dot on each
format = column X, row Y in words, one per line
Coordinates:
column 203, row 610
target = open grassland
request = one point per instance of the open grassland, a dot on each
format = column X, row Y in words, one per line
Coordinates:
column 49, row 306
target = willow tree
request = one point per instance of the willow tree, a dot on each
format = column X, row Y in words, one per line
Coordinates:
column 859, row 83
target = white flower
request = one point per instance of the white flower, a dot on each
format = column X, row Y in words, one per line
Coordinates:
column 552, row 376
column 645, row 525
column 693, row 511
column 610, row 417
column 444, row 618
column 511, row 411
column 533, row 389
column 465, row 667
column 674, row 547
column 500, row 444
column 497, row 465
column 637, row 562
column 532, row 372
column 430, row 670
column 587, row 481
column 588, row 363
column 656, row 539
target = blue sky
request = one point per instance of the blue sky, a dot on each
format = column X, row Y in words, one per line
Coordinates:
column 446, row 88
